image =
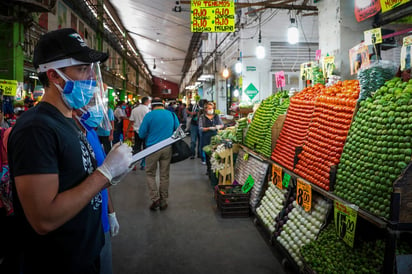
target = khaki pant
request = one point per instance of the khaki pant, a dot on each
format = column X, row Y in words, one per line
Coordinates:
column 162, row 157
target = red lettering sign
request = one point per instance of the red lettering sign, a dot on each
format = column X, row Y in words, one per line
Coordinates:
column 363, row 12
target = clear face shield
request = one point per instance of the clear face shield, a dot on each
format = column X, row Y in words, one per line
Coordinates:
column 86, row 95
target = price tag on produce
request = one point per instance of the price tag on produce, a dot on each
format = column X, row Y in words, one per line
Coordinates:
column 304, row 195
column 345, row 221
column 286, row 179
column 248, row 184
column 277, row 176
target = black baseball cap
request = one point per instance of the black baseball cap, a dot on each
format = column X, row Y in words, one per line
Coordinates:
column 62, row 48
column 157, row 102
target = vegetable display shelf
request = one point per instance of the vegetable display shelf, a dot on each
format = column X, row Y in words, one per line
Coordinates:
column 251, row 166
column 378, row 222
column 392, row 227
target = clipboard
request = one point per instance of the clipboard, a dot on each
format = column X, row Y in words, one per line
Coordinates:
column 176, row 136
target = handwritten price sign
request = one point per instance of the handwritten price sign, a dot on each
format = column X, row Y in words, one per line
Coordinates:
column 345, row 221
column 8, row 87
column 277, row 176
column 304, row 195
column 248, row 184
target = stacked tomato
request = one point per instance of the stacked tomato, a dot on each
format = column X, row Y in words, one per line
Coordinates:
column 327, row 133
column 296, row 125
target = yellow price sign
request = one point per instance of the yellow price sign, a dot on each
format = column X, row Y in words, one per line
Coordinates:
column 389, row 5
column 345, row 221
column 212, row 16
column 8, row 87
column 304, row 194
column 277, row 176
column 373, row 36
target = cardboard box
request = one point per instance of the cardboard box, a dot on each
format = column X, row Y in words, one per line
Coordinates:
column 276, row 128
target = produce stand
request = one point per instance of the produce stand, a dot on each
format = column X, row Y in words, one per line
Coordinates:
column 390, row 228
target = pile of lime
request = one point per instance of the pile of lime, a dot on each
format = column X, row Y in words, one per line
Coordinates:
column 266, row 148
column 262, row 120
column 241, row 124
column 378, row 148
column 329, row 254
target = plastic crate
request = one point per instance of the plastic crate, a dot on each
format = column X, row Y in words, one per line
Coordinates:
column 231, row 202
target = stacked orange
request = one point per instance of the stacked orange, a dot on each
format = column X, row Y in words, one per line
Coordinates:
column 327, row 132
column 296, row 125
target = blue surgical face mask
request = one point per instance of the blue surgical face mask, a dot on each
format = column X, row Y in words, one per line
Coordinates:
column 77, row 94
column 123, row 107
column 93, row 117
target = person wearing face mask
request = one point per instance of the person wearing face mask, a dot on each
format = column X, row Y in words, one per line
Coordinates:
column 88, row 120
column 209, row 123
column 119, row 116
column 57, row 197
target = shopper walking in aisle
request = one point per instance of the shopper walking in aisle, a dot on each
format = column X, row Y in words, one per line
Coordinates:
column 158, row 125
column 193, row 111
column 119, row 115
column 57, row 197
column 88, row 120
column 105, row 134
column 136, row 118
column 209, row 123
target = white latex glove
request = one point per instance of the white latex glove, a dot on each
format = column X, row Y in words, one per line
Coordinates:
column 212, row 128
column 117, row 162
column 219, row 126
column 114, row 224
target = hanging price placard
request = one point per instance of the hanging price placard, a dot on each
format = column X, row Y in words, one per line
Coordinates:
column 248, row 184
column 286, row 179
column 345, row 221
column 277, row 176
column 304, row 195
column 8, row 87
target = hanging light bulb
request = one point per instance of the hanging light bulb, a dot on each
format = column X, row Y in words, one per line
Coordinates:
column 238, row 65
column 236, row 93
column 225, row 73
column 293, row 32
column 260, row 50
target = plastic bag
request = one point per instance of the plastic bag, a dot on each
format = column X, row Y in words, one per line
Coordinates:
column 374, row 76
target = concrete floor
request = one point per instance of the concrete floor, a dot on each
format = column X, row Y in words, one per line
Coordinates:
column 190, row 236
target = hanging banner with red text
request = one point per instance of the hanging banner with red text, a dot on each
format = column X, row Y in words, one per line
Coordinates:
column 364, row 11
column 387, row 5
column 212, row 16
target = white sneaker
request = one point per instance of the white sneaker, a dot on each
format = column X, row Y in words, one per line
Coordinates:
column 203, row 163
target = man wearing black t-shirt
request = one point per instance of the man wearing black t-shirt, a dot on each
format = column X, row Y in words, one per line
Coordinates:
column 56, row 183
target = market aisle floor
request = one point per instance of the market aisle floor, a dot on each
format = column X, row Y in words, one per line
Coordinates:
column 190, row 236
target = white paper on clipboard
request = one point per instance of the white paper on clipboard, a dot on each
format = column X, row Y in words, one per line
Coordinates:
column 177, row 135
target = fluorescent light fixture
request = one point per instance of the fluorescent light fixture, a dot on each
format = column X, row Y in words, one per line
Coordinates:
column 111, row 17
column 205, row 77
column 293, row 32
column 130, row 45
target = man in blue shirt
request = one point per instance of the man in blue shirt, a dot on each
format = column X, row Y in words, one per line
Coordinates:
column 158, row 125
column 106, row 136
